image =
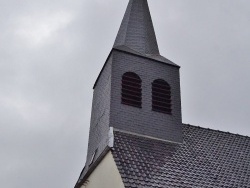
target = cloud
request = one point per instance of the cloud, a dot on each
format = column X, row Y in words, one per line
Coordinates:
column 29, row 111
column 41, row 28
column 52, row 51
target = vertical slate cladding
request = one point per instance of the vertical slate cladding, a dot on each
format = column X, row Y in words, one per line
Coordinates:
column 143, row 120
column 99, row 125
column 136, row 30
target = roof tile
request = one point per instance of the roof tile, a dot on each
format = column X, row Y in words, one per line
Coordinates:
column 207, row 158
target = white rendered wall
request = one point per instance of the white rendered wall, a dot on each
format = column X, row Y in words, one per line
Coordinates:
column 106, row 175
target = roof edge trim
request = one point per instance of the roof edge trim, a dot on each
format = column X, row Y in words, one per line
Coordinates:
column 226, row 132
column 102, row 69
column 143, row 56
column 145, row 136
column 92, row 167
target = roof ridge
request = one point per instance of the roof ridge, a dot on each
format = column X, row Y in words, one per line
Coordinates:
column 227, row 132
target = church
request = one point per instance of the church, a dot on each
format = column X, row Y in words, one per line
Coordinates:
column 136, row 136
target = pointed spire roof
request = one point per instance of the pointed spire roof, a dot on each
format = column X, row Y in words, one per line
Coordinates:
column 136, row 31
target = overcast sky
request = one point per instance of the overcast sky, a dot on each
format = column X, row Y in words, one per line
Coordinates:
column 51, row 52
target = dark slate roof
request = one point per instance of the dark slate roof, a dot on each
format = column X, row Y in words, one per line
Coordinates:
column 207, row 158
column 136, row 30
column 156, row 57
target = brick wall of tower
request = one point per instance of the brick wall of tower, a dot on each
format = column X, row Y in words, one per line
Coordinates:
column 144, row 120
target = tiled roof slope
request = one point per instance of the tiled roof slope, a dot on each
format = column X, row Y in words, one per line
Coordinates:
column 207, row 158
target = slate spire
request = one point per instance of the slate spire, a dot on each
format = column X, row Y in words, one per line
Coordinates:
column 136, row 30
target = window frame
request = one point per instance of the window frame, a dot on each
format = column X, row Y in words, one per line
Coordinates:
column 161, row 98
column 131, row 89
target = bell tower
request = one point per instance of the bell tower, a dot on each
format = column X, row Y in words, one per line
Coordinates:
column 137, row 90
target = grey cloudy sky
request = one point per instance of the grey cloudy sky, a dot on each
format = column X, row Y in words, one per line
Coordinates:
column 51, row 52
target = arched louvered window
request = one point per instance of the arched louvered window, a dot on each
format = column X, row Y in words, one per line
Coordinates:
column 131, row 89
column 161, row 96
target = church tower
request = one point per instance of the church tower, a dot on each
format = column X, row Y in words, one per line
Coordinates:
column 136, row 136
column 137, row 91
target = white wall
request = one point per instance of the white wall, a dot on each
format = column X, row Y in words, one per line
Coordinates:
column 106, row 175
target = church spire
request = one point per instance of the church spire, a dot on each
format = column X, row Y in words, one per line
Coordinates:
column 136, row 30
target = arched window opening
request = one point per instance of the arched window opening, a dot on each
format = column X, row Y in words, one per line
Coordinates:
column 161, row 97
column 131, row 89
